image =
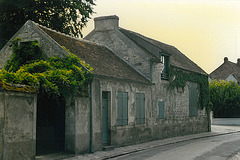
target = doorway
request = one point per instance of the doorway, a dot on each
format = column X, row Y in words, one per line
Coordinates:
column 50, row 134
column 105, row 117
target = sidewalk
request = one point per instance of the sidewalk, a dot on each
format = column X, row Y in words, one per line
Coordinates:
column 101, row 155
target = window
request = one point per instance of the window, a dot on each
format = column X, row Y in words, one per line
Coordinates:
column 122, row 109
column 165, row 60
column 161, row 106
column 193, row 99
column 140, row 109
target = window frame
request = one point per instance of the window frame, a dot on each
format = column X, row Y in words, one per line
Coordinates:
column 164, row 59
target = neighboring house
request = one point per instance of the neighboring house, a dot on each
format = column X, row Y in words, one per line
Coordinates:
column 129, row 102
column 228, row 71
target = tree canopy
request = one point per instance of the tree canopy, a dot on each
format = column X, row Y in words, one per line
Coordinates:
column 66, row 16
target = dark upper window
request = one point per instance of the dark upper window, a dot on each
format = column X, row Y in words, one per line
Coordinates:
column 165, row 60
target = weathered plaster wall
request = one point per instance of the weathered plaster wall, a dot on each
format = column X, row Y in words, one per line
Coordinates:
column 30, row 32
column 131, row 133
column 96, row 115
column 17, row 125
column 77, row 125
column 176, row 120
column 120, row 44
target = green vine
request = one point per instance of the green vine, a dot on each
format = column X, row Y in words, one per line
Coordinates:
column 179, row 79
column 53, row 76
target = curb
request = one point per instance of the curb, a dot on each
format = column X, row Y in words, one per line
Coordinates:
column 155, row 146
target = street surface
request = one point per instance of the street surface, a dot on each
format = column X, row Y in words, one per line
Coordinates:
column 211, row 148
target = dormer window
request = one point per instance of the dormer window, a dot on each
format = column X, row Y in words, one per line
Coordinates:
column 165, row 60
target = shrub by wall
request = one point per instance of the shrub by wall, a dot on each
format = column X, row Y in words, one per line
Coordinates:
column 225, row 99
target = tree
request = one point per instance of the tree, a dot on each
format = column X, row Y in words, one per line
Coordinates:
column 66, row 16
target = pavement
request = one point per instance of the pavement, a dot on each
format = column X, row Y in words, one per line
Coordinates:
column 120, row 151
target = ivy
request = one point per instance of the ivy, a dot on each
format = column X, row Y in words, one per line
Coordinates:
column 53, row 76
column 179, row 79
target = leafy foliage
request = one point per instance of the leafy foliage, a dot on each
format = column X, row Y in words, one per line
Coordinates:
column 224, row 96
column 179, row 79
column 66, row 16
column 53, row 76
column 23, row 55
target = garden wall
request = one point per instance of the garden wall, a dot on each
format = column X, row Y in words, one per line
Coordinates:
column 17, row 125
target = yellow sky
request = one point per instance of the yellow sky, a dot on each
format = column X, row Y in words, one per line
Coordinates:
column 204, row 30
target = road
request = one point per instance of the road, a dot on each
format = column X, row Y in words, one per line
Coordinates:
column 211, row 148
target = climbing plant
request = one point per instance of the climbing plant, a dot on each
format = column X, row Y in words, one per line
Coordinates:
column 179, row 79
column 53, row 76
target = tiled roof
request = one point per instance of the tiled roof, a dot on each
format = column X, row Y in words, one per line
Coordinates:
column 104, row 62
column 177, row 59
column 224, row 70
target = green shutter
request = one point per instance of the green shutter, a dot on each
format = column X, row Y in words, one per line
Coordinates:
column 140, row 109
column 122, row 109
column 125, row 108
column 161, row 106
column 193, row 99
column 119, row 109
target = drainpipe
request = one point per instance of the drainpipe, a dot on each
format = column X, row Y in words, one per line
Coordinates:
column 91, row 126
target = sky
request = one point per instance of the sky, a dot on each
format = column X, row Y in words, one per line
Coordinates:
column 205, row 31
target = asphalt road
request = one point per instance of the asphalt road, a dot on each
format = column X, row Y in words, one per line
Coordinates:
column 212, row 148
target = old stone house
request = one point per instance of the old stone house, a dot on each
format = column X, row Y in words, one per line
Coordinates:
column 228, row 71
column 128, row 103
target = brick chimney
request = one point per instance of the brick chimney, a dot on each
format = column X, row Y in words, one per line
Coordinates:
column 106, row 23
column 225, row 59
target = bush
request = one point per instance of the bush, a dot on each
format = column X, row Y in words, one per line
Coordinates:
column 225, row 98
column 53, row 76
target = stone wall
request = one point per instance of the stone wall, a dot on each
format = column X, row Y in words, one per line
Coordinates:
column 17, row 125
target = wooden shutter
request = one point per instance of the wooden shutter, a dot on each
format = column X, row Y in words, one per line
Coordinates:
column 122, row 109
column 161, row 106
column 193, row 99
column 125, row 108
column 140, row 108
column 119, row 109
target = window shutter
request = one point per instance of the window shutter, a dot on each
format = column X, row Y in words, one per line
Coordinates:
column 161, row 106
column 120, row 109
column 140, row 108
column 125, row 108
column 193, row 99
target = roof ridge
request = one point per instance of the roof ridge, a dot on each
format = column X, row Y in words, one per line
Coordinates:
column 64, row 34
column 147, row 37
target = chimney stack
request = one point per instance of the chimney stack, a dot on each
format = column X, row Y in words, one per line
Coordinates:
column 225, row 59
column 106, row 23
column 238, row 62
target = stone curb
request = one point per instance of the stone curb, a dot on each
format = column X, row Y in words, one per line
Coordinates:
column 158, row 145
